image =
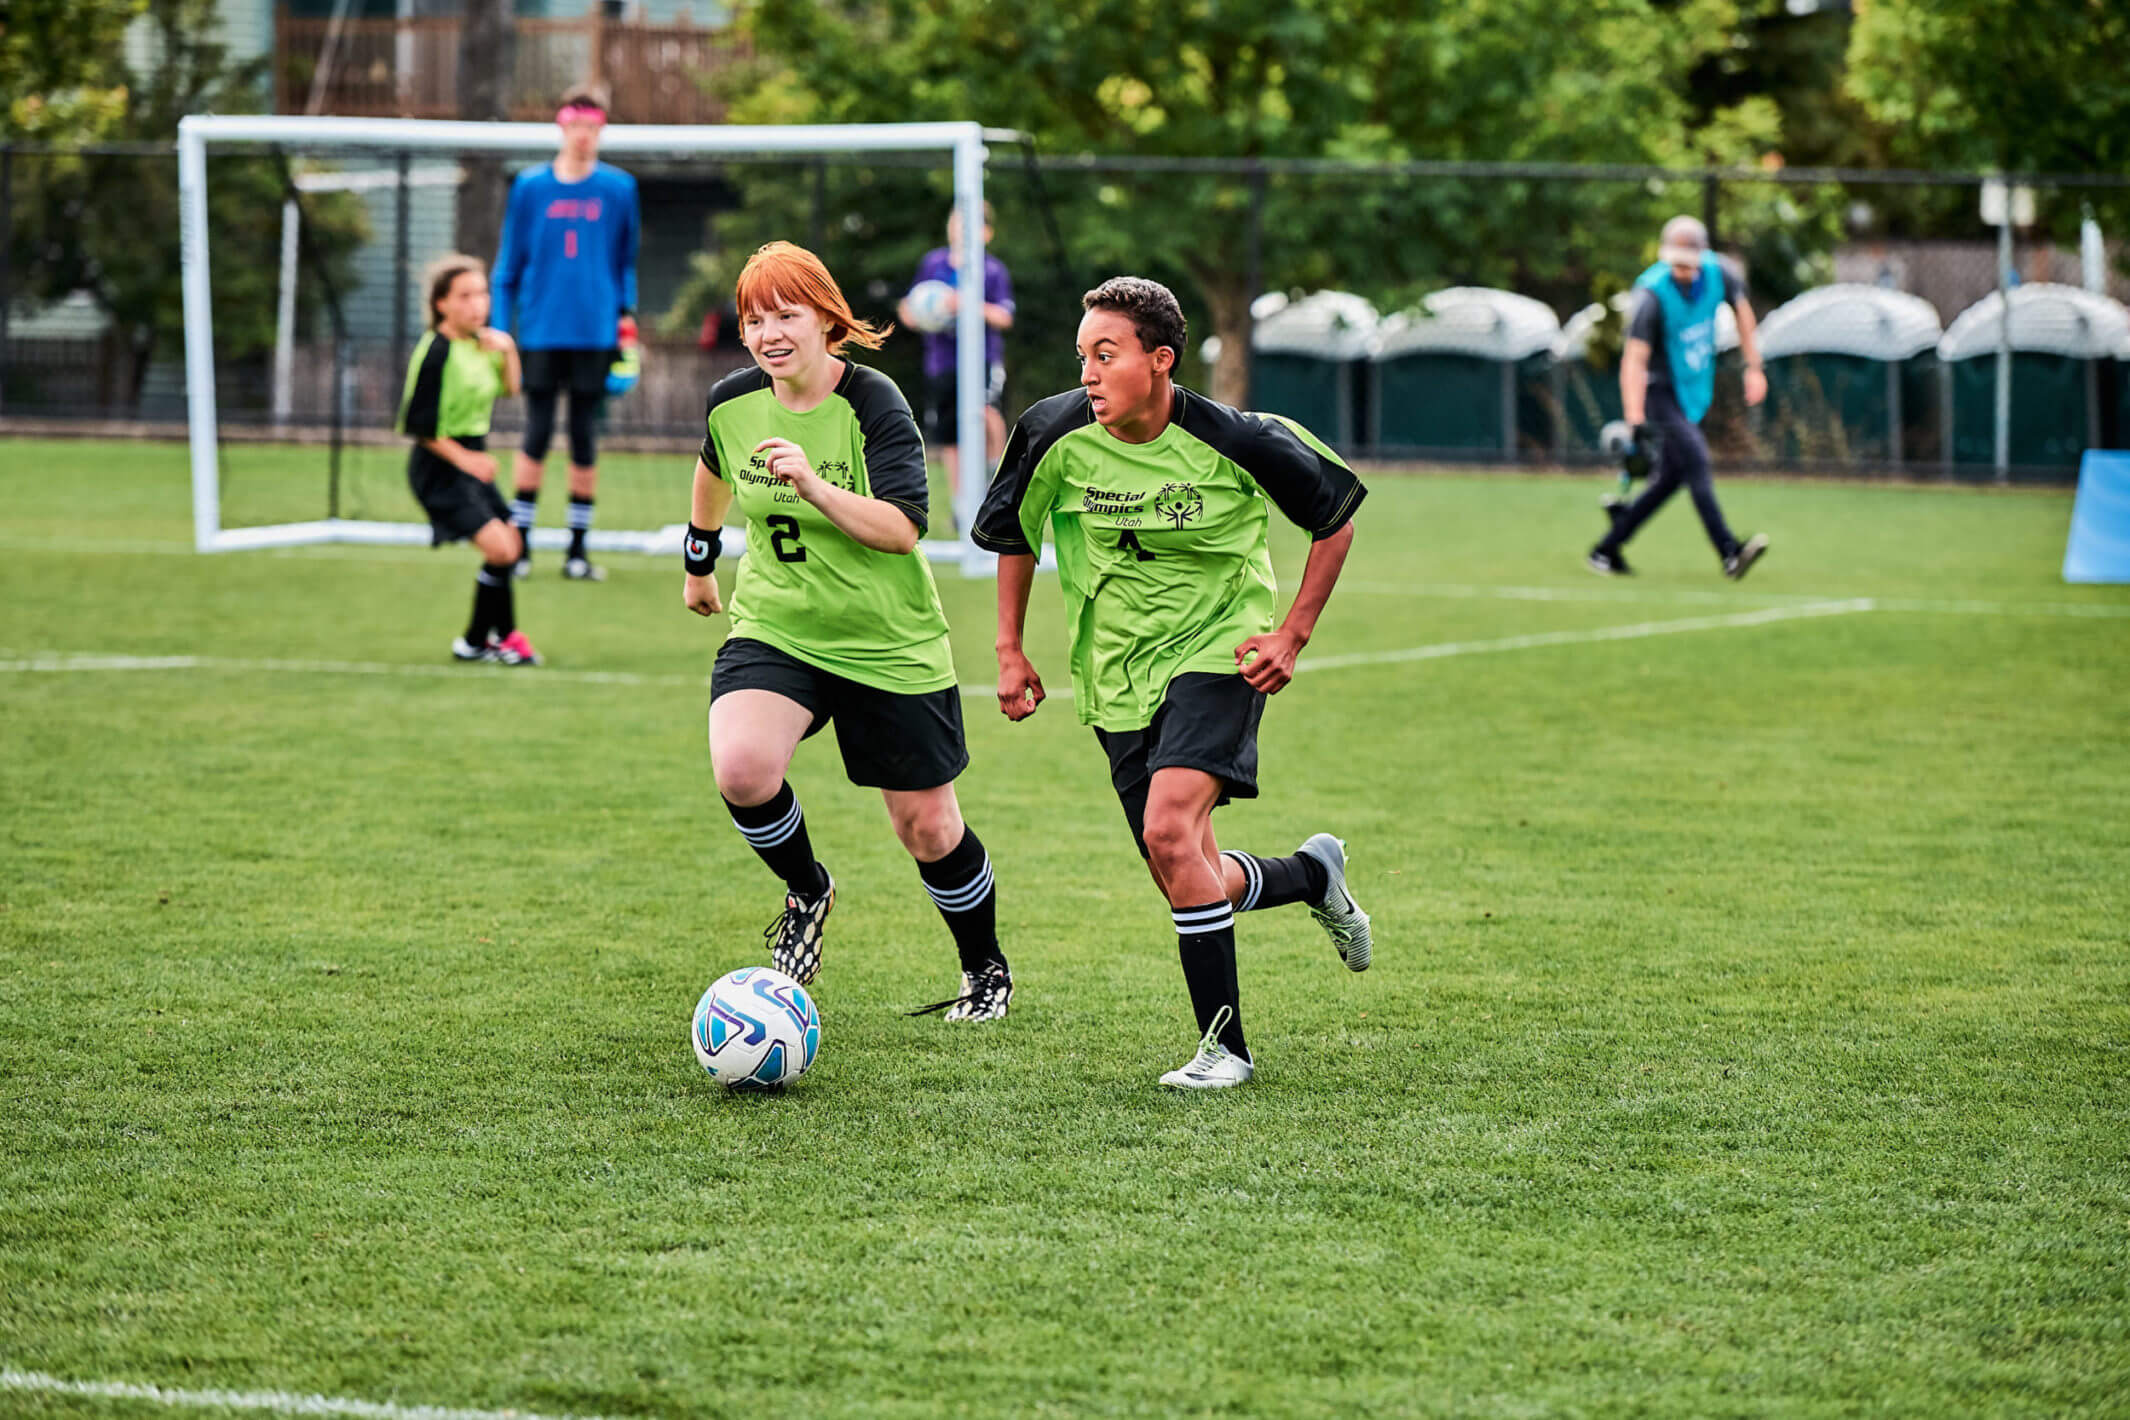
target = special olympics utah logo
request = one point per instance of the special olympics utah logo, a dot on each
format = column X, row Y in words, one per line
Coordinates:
column 1180, row 503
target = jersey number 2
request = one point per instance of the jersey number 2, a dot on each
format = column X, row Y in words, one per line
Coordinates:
column 784, row 538
column 1129, row 540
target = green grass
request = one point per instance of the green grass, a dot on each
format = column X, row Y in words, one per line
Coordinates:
column 1748, row 1031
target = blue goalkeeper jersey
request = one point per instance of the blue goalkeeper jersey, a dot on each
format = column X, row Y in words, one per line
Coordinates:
column 566, row 269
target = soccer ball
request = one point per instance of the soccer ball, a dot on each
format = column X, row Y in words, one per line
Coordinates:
column 928, row 306
column 755, row 1027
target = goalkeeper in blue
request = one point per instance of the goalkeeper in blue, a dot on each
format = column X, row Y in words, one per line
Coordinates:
column 566, row 282
column 1159, row 502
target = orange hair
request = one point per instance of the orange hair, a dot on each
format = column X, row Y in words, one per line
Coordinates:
column 780, row 272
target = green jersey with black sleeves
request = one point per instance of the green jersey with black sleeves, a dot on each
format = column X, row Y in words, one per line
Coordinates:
column 804, row 585
column 451, row 388
column 1161, row 546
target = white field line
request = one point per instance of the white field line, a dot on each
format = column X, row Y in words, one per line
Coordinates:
column 61, row 662
column 274, row 1402
column 1635, row 632
column 1687, row 596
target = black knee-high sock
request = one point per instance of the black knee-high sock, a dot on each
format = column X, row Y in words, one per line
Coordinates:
column 777, row 831
column 962, row 889
column 580, row 523
column 492, row 604
column 1275, row 882
column 1205, row 941
column 524, row 512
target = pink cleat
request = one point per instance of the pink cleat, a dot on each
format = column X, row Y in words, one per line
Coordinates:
column 515, row 650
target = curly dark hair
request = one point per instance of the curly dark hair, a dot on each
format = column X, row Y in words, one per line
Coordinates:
column 1156, row 317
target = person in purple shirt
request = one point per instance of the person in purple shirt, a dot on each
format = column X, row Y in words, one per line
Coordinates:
column 565, row 279
column 937, row 408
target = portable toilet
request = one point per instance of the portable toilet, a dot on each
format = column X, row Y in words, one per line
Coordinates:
column 2059, row 337
column 1585, row 389
column 1304, row 358
column 1851, row 374
column 1460, row 374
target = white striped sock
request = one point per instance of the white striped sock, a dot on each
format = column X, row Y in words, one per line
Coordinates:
column 968, row 895
column 1253, row 878
column 523, row 511
column 1197, row 921
column 580, row 515
column 769, row 835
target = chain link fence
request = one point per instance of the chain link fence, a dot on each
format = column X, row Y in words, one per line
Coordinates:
column 1476, row 316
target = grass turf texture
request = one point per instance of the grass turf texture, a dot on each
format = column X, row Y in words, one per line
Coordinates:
column 1747, row 1032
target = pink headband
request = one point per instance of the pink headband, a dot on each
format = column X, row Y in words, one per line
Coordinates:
column 578, row 112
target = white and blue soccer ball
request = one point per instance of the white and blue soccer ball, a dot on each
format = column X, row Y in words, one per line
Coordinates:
column 928, row 306
column 755, row 1027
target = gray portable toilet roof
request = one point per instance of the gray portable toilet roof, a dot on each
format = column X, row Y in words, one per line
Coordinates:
column 1574, row 340
column 2046, row 318
column 1851, row 319
column 1470, row 320
column 1331, row 325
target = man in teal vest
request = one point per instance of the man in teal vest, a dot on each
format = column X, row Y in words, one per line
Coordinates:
column 1667, row 379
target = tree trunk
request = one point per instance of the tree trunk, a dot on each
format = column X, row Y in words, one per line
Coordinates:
column 1227, row 294
column 486, row 43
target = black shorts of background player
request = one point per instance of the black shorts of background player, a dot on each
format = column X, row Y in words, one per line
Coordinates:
column 458, row 368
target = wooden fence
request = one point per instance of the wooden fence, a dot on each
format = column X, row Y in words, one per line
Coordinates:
column 409, row 68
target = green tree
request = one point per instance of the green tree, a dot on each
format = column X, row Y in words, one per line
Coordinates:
column 59, row 76
column 108, row 223
column 1367, row 79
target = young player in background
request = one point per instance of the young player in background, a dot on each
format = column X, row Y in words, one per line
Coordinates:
column 942, row 412
column 834, row 615
column 459, row 367
column 1667, row 379
column 1158, row 500
column 566, row 279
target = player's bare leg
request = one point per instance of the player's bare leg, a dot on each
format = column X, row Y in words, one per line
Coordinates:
column 753, row 735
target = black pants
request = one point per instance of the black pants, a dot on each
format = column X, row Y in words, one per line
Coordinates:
column 1682, row 458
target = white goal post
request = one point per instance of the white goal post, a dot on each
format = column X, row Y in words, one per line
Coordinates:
column 966, row 142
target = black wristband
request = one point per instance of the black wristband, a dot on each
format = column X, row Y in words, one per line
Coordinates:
column 698, row 551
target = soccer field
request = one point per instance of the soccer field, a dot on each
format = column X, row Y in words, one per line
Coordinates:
column 1749, row 1029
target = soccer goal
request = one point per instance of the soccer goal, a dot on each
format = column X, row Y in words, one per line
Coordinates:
column 304, row 239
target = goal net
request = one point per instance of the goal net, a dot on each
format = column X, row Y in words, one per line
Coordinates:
column 300, row 318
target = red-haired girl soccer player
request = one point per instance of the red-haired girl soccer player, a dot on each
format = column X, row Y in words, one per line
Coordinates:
column 834, row 615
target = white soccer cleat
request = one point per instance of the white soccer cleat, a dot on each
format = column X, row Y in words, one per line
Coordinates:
column 1214, row 1067
column 1337, row 913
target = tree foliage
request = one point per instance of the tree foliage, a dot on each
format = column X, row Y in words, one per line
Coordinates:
column 108, row 223
column 1372, row 80
column 59, row 76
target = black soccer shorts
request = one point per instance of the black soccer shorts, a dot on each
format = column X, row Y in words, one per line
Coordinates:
column 1207, row 721
column 458, row 504
column 889, row 740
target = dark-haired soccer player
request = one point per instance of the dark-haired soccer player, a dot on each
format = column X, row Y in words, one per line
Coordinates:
column 566, row 278
column 834, row 614
column 1159, row 501
column 458, row 368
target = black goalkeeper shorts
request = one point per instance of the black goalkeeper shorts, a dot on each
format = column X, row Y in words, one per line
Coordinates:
column 1207, row 721
column 890, row 740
